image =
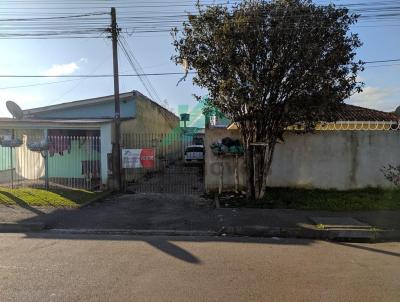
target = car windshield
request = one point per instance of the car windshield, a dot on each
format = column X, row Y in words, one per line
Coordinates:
column 194, row 149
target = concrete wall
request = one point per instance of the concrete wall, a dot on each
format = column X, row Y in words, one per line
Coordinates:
column 327, row 159
column 150, row 118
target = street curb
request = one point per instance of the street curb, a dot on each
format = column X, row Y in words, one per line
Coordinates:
column 248, row 231
column 338, row 234
column 254, row 231
column 133, row 232
column 101, row 196
column 11, row 227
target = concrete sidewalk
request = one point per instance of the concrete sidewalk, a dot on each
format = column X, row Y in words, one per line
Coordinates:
column 175, row 212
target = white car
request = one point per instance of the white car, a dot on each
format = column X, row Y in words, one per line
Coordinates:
column 194, row 154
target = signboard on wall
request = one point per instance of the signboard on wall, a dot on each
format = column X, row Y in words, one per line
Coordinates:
column 138, row 158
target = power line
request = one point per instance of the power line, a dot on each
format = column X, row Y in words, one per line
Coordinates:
column 383, row 65
column 142, row 74
column 75, row 86
column 93, row 23
column 38, row 84
column 138, row 69
column 95, row 75
column 382, row 61
column 72, row 80
column 55, row 18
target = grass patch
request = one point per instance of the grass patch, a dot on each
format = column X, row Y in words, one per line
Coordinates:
column 44, row 198
column 329, row 200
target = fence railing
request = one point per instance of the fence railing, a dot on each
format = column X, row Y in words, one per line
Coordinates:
column 157, row 163
column 55, row 162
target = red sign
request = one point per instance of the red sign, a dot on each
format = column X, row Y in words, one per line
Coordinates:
column 147, row 158
column 138, row 158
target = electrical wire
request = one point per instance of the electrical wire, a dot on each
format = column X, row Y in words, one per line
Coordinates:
column 38, row 84
column 382, row 61
column 138, row 69
column 96, row 75
column 154, row 21
column 150, row 74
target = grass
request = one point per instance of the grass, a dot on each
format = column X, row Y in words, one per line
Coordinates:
column 43, row 198
column 329, row 200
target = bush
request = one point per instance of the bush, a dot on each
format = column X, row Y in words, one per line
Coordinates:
column 392, row 174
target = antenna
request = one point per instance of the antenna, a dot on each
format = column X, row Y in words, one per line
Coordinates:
column 15, row 110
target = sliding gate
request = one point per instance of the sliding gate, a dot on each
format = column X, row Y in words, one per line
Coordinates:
column 154, row 163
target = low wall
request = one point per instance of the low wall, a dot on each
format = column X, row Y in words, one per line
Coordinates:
column 326, row 159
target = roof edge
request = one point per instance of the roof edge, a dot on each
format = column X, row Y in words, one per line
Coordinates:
column 72, row 104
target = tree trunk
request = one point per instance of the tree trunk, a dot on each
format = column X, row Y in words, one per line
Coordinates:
column 248, row 158
column 268, row 162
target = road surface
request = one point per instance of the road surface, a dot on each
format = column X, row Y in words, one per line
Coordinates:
column 40, row 267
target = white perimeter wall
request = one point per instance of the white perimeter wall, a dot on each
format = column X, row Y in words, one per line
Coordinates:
column 326, row 159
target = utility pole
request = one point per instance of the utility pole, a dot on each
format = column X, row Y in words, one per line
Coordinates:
column 116, row 144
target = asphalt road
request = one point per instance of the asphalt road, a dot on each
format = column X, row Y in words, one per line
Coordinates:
column 39, row 267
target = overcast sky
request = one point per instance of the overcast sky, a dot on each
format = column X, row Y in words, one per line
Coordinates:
column 55, row 57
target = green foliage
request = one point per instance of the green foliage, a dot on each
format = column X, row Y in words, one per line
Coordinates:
column 392, row 174
column 263, row 59
column 270, row 65
column 329, row 200
column 44, row 198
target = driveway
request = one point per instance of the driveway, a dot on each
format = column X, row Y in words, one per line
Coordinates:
column 176, row 178
column 137, row 211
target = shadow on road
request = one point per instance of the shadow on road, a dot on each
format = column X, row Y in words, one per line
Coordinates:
column 370, row 249
column 173, row 212
column 167, row 244
column 174, row 250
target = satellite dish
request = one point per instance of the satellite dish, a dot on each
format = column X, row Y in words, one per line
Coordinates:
column 15, row 110
column 397, row 111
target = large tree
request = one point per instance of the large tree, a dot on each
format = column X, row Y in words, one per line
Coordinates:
column 271, row 65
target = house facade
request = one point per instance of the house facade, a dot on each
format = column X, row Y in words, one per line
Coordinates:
column 80, row 135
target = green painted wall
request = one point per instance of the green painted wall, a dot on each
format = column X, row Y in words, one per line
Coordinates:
column 69, row 165
column 5, row 163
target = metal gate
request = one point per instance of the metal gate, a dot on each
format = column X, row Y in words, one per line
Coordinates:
column 154, row 163
column 52, row 162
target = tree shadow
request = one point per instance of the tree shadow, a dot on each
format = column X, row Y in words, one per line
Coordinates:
column 126, row 217
column 164, row 244
column 174, row 250
column 22, row 203
column 370, row 249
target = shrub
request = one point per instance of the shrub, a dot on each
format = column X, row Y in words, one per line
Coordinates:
column 392, row 174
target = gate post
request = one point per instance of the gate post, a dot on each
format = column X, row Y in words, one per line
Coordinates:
column 46, row 161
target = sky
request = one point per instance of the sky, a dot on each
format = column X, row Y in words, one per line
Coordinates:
column 153, row 50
